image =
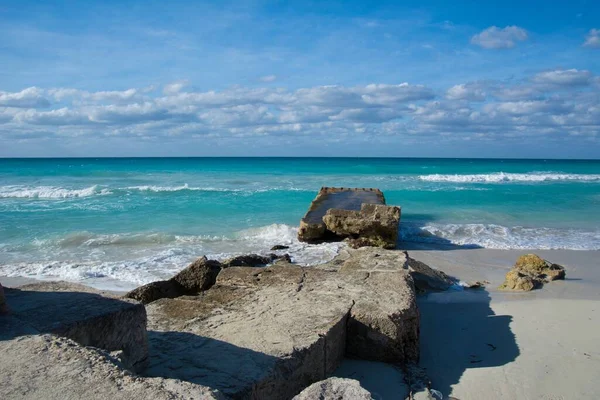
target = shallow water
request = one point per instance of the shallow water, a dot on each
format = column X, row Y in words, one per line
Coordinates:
column 121, row 222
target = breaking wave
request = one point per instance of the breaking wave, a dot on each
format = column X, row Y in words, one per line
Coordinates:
column 49, row 192
column 499, row 177
column 492, row 236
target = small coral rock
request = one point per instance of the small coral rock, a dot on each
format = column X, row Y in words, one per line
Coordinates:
column 530, row 272
column 517, row 281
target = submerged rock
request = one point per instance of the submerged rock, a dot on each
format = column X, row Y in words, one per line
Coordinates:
column 279, row 247
column 358, row 215
column 335, row 389
column 531, row 272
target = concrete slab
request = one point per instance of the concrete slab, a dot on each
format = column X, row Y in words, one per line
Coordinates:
column 341, row 198
column 267, row 333
column 84, row 315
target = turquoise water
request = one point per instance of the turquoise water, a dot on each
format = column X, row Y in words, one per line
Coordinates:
column 121, row 222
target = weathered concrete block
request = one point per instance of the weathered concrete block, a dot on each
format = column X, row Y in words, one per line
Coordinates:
column 265, row 333
column 85, row 316
column 46, row 367
column 360, row 215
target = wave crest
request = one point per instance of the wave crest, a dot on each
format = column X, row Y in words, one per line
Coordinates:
column 49, row 192
column 499, row 177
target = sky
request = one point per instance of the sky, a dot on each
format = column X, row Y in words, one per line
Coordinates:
column 300, row 78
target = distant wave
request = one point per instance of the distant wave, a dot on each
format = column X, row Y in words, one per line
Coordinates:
column 49, row 192
column 493, row 236
column 53, row 192
column 499, row 177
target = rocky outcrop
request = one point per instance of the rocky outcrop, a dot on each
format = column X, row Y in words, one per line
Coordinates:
column 358, row 215
column 270, row 332
column 198, row 276
column 335, row 389
column 84, row 315
column 374, row 225
column 531, row 272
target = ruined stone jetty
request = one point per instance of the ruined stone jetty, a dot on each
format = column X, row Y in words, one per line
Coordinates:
column 360, row 216
column 253, row 332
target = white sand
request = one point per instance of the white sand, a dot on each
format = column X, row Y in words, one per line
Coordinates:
column 489, row 344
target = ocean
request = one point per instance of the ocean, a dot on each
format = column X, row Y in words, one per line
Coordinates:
column 118, row 223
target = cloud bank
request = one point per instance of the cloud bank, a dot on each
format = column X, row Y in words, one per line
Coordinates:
column 553, row 103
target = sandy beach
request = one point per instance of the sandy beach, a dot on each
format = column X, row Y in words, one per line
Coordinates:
column 480, row 344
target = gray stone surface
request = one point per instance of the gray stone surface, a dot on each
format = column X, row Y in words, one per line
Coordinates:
column 53, row 368
column 267, row 333
column 313, row 229
column 87, row 316
column 334, row 389
column 373, row 225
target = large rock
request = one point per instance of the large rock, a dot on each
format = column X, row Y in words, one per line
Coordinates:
column 531, row 272
column 359, row 215
column 267, row 333
column 374, row 225
column 47, row 367
column 335, row 389
column 198, row 276
column 84, row 315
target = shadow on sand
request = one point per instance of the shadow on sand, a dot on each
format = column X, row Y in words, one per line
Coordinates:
column 460, row 331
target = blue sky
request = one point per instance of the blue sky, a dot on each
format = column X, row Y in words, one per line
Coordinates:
column 261, row 78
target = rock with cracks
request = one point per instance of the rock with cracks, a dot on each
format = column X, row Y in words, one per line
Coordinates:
column 48, row 367
column 268, row 333
column 335, row 389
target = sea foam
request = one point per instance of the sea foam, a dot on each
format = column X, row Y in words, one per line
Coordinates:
column 49, row 192
column 499, row 177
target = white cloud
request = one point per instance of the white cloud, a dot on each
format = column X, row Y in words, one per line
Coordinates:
column 27, row 98
column 473, row 92
column 562, row 77
column 268, row 78
column 174, row 87
column 592, row 39
column 500, row 38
